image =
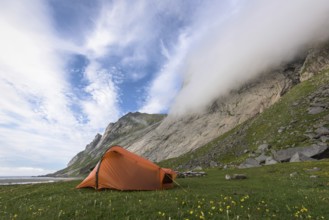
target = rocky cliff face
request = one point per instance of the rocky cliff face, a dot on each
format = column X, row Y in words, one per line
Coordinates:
column 176, row 136
column 157, row 137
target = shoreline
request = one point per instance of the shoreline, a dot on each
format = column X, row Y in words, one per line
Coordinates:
column 9, row 181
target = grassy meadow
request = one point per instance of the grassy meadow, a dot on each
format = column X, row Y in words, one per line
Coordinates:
column 268, row 193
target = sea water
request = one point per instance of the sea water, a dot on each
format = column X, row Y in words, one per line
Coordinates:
column 13, row 180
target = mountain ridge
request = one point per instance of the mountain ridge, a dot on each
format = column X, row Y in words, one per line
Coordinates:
column 163, row 137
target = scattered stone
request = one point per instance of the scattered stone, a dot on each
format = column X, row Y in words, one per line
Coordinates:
column 246, row 151
column 190, row 174
column 236, row 177
column 322, row 131
column 198, row 168
column 213, row 164
column 270, row 161
column 261, row 158
column 312, row 151
column 250, row 162
column 227, row 177
column 314, row 176
column 299, row 157
column 293, row 174
column 322, row 105
column 281, row 129
column 324, row 139
column 310, row 135
column 315, row 110
column 305, row 76
column 239, row 176
column 225, row 167
column 262, row 148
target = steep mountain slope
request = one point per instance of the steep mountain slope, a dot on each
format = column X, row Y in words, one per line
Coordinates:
column 247, row 109
column 125, row 131
column 175, row 137
column 299, row 119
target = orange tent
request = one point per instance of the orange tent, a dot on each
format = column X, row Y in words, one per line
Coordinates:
column 123, row 170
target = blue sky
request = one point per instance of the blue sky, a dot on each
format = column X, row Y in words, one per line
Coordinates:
column 69, row 68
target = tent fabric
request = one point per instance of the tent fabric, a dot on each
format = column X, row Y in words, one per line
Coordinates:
column 123, row 170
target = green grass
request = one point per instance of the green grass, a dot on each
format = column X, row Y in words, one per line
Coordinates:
column 268, row 193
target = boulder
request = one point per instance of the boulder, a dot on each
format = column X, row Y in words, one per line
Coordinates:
column 236, row 177
column 261, row 158
column 324, row 139
column 299, row 157
column 239, row 176
column 286, row 154
column 322, row 131
column 312, row 151
column 315, row 110
column 263, row 148
column 270, row 161
column 213, row 164
column 198, row 168
column 250, row 162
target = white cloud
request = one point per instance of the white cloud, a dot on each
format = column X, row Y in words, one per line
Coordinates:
column 260, row 36
column 101, row 107
column 164, row 88
column 36, row 120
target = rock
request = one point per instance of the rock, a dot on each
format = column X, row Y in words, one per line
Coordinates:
column 190, row 174
column 312, row 151
column 239, row 176
column 236, row 177
column 246, row 151
column 314, row 176
column 213, row 164
column 270, row 161
column 286, row 154
column 198, row 168
column 261, row 158
column 299, row 157
column 305, row 76
column 262, row 148
column 293, row 174
column 281, row 129
column 322, row 131
column 322, row 105
column 315, row 110
column 250, row 162
column 310, row 135
column 324, row 139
